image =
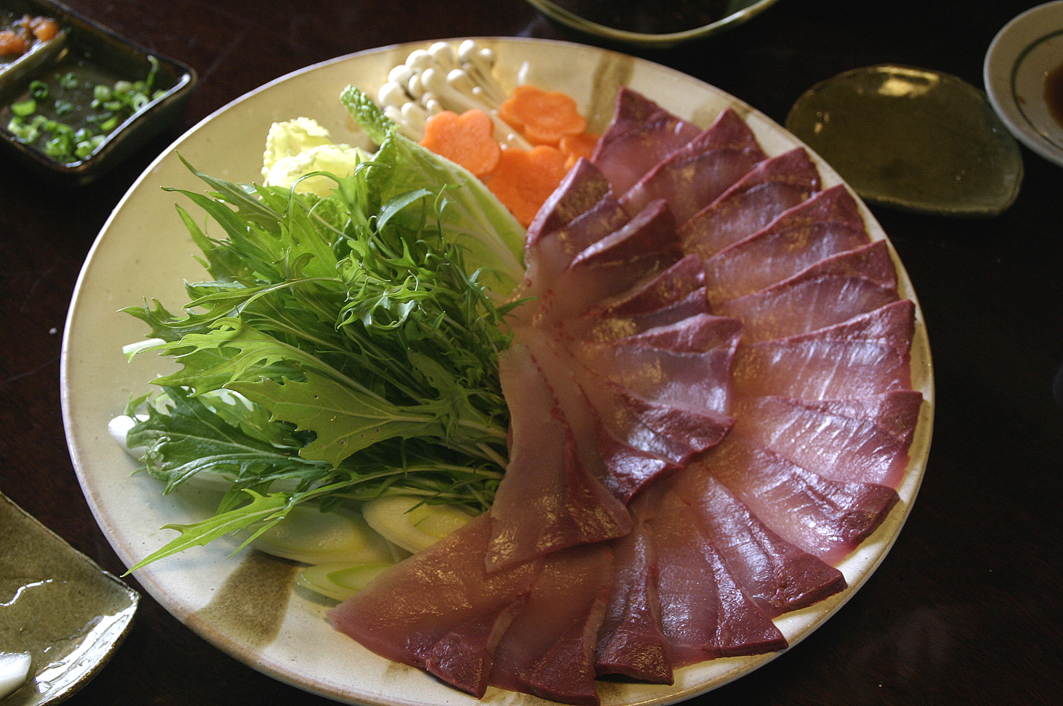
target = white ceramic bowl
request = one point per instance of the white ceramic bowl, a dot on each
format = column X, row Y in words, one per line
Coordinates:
column 1025, row 49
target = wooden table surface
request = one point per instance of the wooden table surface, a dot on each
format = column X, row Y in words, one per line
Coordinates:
column 966, row 607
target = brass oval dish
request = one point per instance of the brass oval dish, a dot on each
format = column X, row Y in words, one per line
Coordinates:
column 58, row 606
column 913, row 139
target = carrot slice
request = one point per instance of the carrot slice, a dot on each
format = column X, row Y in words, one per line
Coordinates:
column 524, row 179
column 544, row 117
column 576, row 146
column 467, row 139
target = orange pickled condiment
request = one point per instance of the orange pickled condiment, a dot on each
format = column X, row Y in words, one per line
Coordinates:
column 20, row 37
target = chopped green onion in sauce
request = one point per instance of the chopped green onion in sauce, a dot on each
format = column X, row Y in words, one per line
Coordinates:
column 70, row 116
column 24, row 108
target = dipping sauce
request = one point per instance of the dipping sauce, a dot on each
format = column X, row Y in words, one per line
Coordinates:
column 649, row 16
column 1054, row 93
column 74, row 107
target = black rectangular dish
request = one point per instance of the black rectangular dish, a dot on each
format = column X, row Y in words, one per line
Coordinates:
column 75, row 98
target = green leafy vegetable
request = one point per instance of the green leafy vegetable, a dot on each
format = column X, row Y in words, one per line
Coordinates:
column 346, row 347
column 490, row 234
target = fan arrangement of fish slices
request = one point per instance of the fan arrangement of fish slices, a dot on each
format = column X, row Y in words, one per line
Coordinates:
column 711, row 405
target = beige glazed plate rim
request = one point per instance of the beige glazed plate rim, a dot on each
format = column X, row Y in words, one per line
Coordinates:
column 144, row 251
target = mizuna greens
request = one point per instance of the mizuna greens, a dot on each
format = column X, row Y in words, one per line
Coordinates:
column 345, row 348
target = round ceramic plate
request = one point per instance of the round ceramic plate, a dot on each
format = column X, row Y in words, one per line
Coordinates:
column 244, row 604
column 1020, row 55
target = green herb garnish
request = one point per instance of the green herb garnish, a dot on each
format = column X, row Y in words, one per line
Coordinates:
column 359, row 332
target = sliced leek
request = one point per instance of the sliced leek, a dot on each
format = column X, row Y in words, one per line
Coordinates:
column 338, row 581
column 310, row 536
column 14, row 669
column 411, row 523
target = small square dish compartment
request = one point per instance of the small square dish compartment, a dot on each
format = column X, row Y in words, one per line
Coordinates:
column 75, row 98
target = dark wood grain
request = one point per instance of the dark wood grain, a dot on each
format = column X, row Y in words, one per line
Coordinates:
column 967, row 606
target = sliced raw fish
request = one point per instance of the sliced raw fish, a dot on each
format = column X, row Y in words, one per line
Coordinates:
column 549, row 647
column 675, row 283
column 697, row 173
column 665, row 429
column 776, row 575
column 640, row 135
column 651, row 231
column 695, row 376
column 813, row 304
column 572, row 403
column 831, row 443
column 827, row 224
column 696, row 435
column 440, row 610
column 640, row 249
column 823, row 517
column 579, row 192
column 627, row 469
column 827, row 293
column 610, row 328
column 631, row 640
column 896, row 413
column 704, row 613
column 580, row 212
column 864, row 356
column 770, row 188
column 892, row 325
column 666, row 298
column 819, row 368
column 693, row 428
column 621, row 468
column 700, row 380
column 548, row 500
column 700, row 332
column 623, row 439
column 618, row 411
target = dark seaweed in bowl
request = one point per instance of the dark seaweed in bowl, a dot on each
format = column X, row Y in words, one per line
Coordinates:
column 649, row 17
column 650, row 23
